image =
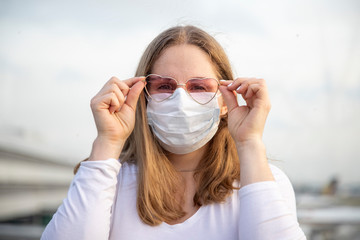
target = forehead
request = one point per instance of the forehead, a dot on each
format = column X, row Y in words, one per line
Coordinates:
column 183, row 62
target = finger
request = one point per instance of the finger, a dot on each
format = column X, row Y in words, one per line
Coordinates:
column 251, row 91
column 240, row 84
column 243, row 87
column 259, row 89
column 132, row 81
column 229, row 98
column 125, row 85
column 114, row 104
column 237, row 83
column 225, row 82
column 108, row 101
column 134, row 94
column 122, row 85
column 114, row 88
column 112, row 80
column 120, row 96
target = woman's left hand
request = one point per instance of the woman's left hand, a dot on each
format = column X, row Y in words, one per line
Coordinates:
column 246, row 123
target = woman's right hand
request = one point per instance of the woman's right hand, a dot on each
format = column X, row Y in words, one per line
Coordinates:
column 114, row 113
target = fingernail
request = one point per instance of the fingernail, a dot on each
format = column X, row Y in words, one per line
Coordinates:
column 230, row 84
column 238, row 88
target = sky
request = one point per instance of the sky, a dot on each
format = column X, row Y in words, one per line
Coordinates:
column 56, row 55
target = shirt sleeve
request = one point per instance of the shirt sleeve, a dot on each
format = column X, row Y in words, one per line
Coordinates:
column 268, row 210
column 86, row 212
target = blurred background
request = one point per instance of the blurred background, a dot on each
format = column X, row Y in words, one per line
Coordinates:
column 56, row 55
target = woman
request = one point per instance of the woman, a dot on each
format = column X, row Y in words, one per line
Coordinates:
column 192, row 161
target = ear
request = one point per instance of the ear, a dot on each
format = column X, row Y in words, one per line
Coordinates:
column 223, row 110
column 223, row 107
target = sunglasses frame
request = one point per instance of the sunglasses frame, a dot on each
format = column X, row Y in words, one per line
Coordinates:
column 181, row 84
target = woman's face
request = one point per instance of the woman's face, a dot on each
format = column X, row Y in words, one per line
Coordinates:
column 184, row 62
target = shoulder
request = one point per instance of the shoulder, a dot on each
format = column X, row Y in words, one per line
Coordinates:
column 128, row 173
column 279, row 175
column 284, row 184
column 128, row 168
column 281, row 185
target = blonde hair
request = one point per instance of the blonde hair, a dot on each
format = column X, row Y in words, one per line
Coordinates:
column 159, row 185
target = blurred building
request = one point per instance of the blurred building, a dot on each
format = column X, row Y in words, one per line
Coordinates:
column 32, row 186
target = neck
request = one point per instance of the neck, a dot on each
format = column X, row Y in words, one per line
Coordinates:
column 187, row 162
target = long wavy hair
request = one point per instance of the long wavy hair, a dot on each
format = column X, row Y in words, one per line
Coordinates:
column 159, row 184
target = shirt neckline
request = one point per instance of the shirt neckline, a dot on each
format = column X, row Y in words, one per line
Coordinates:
column 188, row 222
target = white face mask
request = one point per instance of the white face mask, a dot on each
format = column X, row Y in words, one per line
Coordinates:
column 181, row 124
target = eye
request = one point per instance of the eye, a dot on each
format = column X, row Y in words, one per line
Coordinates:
column 196, row 85
column 164, row 87
column 157, row 84
column 202, row 85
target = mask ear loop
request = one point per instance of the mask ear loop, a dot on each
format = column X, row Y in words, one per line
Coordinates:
column 147, row 97
column 223, row 108
column 218, row 94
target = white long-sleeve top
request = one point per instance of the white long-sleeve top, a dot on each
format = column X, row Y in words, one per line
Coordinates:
column 101, row 204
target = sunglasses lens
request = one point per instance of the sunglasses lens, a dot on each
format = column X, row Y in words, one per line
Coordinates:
column 202, row 90
column 160, row 88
